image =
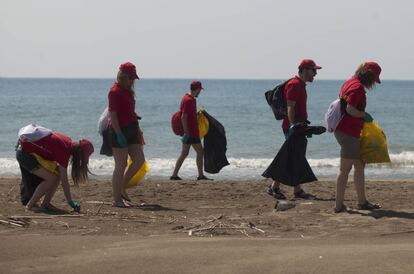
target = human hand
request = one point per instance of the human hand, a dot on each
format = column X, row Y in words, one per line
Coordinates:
column 368, row 118
column 120, row 138
column 75, row 205
column 185, row 138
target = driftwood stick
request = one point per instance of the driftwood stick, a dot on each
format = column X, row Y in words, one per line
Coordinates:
column 45, row 217
column 99, row 209
column 11, row 189
column 10, row 223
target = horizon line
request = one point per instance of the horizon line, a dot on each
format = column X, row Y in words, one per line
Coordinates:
column 180, row 78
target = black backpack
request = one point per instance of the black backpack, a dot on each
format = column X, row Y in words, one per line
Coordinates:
column 276, row 100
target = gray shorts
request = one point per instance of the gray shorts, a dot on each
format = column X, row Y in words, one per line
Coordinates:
column 350, row 146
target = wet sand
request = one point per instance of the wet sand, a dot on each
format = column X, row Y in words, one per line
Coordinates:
column 206, row 227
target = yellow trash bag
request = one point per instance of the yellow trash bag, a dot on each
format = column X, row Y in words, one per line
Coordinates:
column 373, row 144
column 139, row 175
column 202, row 123
column 48, row 165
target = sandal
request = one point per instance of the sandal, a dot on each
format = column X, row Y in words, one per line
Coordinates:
column 368, row 206
column 126, row 198
column 342, row 209
column 303, row 195
column 120, row 205
column 175, row 178
column 276, row 193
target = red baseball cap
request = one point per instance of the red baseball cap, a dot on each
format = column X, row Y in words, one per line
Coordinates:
column 87, row 148
column 309, row 64
column 376, row 69
column 196, row 85
column 129, row 69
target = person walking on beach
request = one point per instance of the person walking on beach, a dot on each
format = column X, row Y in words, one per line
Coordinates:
column 60, row 149
column 296, row 100
column 191, row 137
column 124, row 133
column 348, row 131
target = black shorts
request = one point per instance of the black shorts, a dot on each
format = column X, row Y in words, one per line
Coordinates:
column 131, row 133
column 27, row 161
column 29, row 183
column 192, row 141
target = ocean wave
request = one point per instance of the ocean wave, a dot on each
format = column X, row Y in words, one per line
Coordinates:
column 401, row 163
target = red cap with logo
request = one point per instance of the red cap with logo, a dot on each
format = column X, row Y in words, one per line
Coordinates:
column 308, row 64
column 129, row 69
column 376, row 69
column 196, row 85
column 87, row 148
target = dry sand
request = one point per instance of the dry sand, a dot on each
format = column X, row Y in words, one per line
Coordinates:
column 233, row 225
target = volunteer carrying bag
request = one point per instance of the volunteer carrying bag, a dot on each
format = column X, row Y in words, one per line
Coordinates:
column 373, row 145
column 33, row 133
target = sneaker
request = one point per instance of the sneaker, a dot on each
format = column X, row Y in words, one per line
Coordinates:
column 175, row 178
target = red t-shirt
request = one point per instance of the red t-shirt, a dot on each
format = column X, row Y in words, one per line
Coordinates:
column 189, row 106
column 122, row 102
column 355, row 95
column 55, row 147
column 295, row 91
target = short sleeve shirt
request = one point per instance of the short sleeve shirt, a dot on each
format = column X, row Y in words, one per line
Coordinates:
column 295, row 90
column 355, row 95
column 189, row 106
column 122, row 102
column 55, row 147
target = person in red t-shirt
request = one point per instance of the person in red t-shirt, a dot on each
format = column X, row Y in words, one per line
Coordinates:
column 124, row 133
column 296, row 99
column 188, row 109
column 349, row 130
column 54, row 147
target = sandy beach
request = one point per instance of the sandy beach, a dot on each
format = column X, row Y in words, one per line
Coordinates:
column 209, row 227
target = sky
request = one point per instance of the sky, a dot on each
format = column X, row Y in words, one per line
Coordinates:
column 214, row 39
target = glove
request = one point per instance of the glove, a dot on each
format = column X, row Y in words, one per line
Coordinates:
column 120, row 138
column 185, row 138
column 368, row 118
column 75, row 205
column 291, row 129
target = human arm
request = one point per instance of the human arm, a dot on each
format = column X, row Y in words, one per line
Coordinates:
column 291, row 111
column 117, row 128
column 63, row 173
column 184, row 122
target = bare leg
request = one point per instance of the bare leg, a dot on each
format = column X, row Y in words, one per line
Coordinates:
column 342, row 180
column 359, row 181
column 199, row 160
column 185, row 149
column 275, row 185
column 49, row 195
column 120, row 157
column 136, row 153
column 48, row 185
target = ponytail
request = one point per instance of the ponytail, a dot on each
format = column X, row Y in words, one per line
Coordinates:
column 80, row 168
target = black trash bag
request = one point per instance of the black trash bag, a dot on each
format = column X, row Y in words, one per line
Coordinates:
column 28, row 185
column 290, row 166
column 215, row 146
column 106, row 148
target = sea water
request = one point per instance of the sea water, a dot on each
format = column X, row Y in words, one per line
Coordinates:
column 73, row 106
